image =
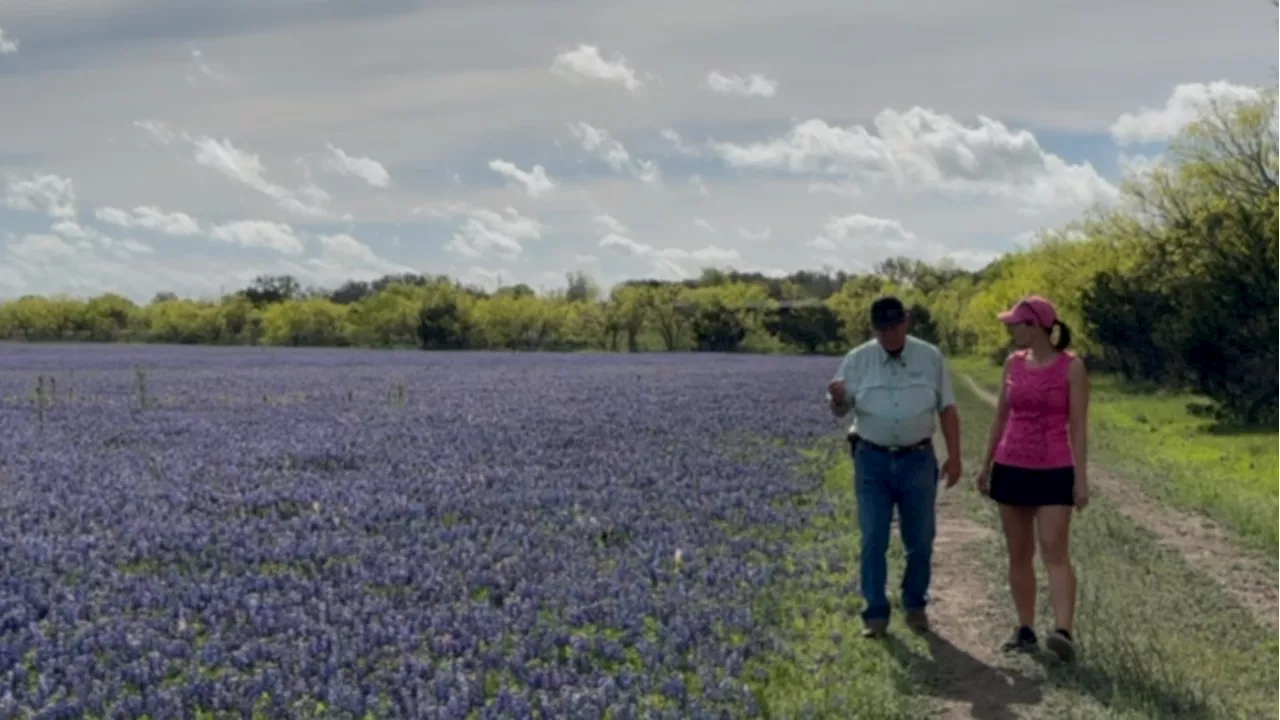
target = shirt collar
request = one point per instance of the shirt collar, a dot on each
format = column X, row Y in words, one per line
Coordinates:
column 886, row 358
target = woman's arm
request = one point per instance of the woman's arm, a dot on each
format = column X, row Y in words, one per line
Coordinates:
column 1078, row 423
column 1002, row 416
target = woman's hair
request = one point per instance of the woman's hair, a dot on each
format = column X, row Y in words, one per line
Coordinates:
column 1064, row 336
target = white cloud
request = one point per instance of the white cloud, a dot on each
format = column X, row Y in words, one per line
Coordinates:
column 39, row 248
column 485, row 233
column 710, row 253
column 259, row 233
column 670, row 262
column 481, row 277
column 243, row 167
column 149, row 217
column 114, row 216
column 611, row 223
column 50, row 194
column 586, row 62
column 72, row 229
column 126, row 248
column 365, row 168
column 677, row 142
column 247, row 169
column 1188, row 102
column 341, row 252
column 1138, row 164
column 601, row 145
column 7, row 44
column 843, row 189
column 626, row 244
column 926, row 150
column 159, row 132
column 535, row 181
column 200, row 70
column 761, row 234
column 858, row 242
column 350, row 249
column 858, row 228
column 36, row 263
column 753, row 85
column 136, row 246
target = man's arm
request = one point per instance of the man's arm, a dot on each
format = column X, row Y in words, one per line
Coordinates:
column 951, row 430
column 947, row 410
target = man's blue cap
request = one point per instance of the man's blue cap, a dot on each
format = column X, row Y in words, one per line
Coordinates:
column 887, row 312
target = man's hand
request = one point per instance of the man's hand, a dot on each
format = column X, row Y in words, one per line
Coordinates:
column 839, row 398
column 836, row 389
column 951, row 470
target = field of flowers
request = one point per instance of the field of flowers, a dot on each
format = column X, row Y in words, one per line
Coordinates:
column 208, row 532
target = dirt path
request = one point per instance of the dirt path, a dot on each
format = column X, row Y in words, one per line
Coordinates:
column 964, row 670
column 967, row 671
column 1205, row 546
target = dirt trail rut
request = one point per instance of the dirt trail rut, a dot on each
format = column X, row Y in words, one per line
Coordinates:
column 967, row 672
column 1202, row 543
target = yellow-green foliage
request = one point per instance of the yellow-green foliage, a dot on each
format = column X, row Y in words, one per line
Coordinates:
column 1060, row 267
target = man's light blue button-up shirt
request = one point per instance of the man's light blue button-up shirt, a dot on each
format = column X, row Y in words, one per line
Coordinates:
column 896, row 399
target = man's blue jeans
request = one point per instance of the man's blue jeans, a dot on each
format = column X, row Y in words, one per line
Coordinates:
column 908, row 480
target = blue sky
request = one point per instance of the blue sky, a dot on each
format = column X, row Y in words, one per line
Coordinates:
column 165, row 145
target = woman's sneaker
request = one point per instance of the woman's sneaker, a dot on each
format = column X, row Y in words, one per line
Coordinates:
column 1022, row 640
column 1061, row 644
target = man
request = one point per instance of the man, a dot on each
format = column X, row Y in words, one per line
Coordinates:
column 894, row 385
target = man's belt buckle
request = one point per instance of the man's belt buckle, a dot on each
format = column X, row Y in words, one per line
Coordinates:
column 899, row 449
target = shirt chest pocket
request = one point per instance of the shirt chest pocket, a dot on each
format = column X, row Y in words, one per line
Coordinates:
column 872, row 393
column 904, row 399
column 917, row 397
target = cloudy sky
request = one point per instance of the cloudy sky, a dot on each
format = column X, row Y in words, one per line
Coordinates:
column 186, row 146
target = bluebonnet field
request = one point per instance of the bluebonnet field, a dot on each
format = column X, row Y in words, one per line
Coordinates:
column 212, row 531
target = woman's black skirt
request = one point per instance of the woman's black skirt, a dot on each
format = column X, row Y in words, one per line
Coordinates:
column 1028, row 487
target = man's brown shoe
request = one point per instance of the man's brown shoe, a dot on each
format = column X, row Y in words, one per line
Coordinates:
column 875, row 628
column 918, row 620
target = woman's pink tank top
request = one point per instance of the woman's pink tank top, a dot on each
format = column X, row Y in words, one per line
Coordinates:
column 1039, row 402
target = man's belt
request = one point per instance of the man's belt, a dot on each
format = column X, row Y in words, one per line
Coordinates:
column 855, row 440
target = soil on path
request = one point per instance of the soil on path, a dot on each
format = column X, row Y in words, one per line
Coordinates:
column 1206, row 546
column 967, row 672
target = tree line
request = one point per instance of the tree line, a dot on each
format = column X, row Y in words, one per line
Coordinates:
column 1176, row 285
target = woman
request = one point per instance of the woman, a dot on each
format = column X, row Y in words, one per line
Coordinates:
column 1036, row 465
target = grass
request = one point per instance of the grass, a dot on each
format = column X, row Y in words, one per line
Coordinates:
column 826, row 669
column 1158, row 639
column 1157, row 439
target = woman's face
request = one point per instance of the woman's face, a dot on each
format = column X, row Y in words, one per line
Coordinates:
column 1024, row 333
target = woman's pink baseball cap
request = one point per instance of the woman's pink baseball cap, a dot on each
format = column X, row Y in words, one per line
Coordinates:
column 1032, row 308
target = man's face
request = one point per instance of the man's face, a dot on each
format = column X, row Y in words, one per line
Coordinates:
column 893, row 338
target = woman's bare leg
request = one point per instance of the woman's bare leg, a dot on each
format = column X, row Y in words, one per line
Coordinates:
column 1019, row 536
column 1055, row 536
